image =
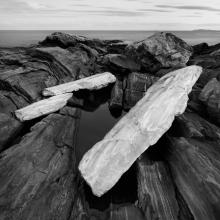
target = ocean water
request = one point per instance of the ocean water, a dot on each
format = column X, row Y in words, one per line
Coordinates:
column 24, row 38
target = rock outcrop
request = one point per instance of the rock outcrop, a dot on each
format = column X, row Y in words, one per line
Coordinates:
column 176, row 178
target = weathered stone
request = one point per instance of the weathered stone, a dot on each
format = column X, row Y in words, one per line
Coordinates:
column 191, row 125
column 9, row 128
column 116, row 100
column 198, row 49
column 117, row 48
column 136, row 86
column 156, row 192
column 103, row 165
column 94, row 82
column 168, row 50
column 210, row 95
column 65, row 40
column 119, row 63
column 38, row 175
column 43, row 107
column 140, row 54
column 195, row 169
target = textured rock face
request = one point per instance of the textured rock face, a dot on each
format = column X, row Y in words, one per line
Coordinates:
column 119, row 63
column 210, row 95
column 195, row 167
column 104, row 164
column 166, row 48
column 136, row 86
column 37, row 176
column 156, row 193
column 9, row 127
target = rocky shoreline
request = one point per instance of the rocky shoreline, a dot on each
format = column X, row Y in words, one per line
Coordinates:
column 177, row 178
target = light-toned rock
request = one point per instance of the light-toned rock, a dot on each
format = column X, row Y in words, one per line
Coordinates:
column 94, row 82
column 43, row 107
column 147, row 121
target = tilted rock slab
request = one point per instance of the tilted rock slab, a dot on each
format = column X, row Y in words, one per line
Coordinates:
column 147, row 121
column 94, row 82
column 43, row 107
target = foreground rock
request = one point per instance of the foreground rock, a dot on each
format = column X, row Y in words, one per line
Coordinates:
column 166, row 48
column 195, row 169
column 156, row 192
column 94, row 82
column 103, row 165
column 38, row 175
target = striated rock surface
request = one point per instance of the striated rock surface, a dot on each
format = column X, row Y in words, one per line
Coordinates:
column 38, row 175
column 136, row 86
column 156, row 192
column 103, row 165
column 210, row 96
column 196, row 172
column 166, row 48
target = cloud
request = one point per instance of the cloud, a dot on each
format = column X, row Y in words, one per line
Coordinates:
column 154, row 10
column 189, row 7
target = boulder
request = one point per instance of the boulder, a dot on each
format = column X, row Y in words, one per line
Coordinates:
column 152, row 116
column 210, row 96
column 119, row 63
column 65, row 40
column 38, row 177
column 116, row 100
column 199, row 49
column 136, row 86
column 166, row 48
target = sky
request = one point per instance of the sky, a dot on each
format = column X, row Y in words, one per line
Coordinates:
column 109, row 14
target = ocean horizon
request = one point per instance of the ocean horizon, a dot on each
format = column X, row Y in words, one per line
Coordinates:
column 13, row 38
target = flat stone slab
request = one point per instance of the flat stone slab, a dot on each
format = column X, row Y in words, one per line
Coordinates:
column 43, row 107
column 103, row 165
column 94, row 82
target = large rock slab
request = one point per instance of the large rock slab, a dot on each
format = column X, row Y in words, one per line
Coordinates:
column 103, row 165
column 166, row 48
column 43, row 107
column 94, row 82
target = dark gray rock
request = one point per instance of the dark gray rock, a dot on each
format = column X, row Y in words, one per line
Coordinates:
column 195, row 170
column 166, row 48
column 154, row 188
column 210, row 96
column 38, row 175
column 118, row 63
column 136, row 86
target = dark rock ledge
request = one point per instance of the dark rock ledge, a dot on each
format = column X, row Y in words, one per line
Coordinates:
column 176, row 179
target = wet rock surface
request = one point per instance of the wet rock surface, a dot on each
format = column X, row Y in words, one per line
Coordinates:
column 177, row 178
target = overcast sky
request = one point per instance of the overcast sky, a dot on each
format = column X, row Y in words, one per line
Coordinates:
column 110, row 14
